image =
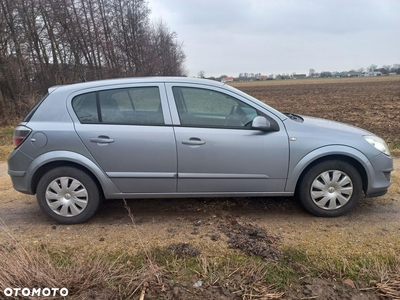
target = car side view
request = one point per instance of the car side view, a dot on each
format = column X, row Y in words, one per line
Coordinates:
column 163, row 137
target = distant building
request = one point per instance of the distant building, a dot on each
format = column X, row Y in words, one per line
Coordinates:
column 354, row 74
column 299, row 76
column 262, row 77
column 371, row 74
column 315, row 75
column 227, row 79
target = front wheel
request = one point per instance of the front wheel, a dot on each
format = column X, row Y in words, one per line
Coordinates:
column 331, row 188
column 68, row 195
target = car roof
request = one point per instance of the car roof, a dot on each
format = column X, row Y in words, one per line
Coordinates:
column 71, row 88
column 105, row 82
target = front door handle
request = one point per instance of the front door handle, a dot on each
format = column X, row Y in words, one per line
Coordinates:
column 193, row 142
column 102, row 139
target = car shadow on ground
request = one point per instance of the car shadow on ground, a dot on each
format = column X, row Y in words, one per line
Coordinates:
column 175, row 208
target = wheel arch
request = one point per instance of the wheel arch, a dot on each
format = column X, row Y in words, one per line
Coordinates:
column 350, row 155
column 56, row 159
column 60, row 163
column 355, row 163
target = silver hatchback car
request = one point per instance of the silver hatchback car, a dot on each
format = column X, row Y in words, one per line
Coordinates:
column 180, row 137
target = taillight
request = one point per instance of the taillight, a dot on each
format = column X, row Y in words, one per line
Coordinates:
column 20, row 134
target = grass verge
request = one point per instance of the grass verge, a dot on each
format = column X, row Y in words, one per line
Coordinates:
column 162, row 274
column 6, row 140
column 181, row 271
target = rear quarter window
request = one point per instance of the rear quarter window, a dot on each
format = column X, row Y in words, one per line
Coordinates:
column 85, row 107
column 33, row 109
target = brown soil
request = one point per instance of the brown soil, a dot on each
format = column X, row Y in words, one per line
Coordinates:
column 370, row 103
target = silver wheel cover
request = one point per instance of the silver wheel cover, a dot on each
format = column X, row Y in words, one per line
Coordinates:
column 66, row 196
column 331, row 189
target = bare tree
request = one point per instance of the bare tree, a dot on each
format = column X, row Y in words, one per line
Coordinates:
column 48, row 42
column 167, row 57
column 372, row 68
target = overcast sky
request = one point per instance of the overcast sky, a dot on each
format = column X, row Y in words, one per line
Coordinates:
column 282, row 36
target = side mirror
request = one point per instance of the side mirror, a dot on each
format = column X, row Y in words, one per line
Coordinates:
column 261, row 123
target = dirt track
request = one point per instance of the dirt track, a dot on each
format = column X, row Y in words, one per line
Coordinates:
column 372, row 229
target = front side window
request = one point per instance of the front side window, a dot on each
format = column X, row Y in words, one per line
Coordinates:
column 136, row 106
column 209, row 108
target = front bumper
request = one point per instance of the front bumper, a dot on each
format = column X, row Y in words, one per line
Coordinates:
column 379, row 169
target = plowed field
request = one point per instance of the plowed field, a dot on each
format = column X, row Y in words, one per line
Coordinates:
column 371, row 103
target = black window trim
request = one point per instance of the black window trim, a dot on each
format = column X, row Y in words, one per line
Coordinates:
column 100, row 117
column 98, row 107
column 34, row 108
column 274, row 124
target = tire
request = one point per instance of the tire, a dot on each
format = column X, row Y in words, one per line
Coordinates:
column 68, row 195
column 330, row 188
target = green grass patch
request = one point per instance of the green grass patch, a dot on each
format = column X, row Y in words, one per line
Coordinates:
column 5, row 152
column 394, row 145
column 6, row 142
column 6, row 136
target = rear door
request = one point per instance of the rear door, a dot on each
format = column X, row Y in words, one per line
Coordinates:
column 218, row 151
column 128, row 132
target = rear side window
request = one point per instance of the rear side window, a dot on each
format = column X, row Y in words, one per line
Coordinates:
column 135, row 106
column 85, row 107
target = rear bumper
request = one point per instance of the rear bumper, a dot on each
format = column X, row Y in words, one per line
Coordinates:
column 17, row 164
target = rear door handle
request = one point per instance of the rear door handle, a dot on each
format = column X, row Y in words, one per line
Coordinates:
column 102, row 139
column 193, row 142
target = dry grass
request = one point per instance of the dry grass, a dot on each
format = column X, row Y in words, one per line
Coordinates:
column 6, row 142
column 251, row 284
column 29, row 267
column 5, row 152
column 390, row 287
column 157, row 273
column 127, row 277
column 389, row 283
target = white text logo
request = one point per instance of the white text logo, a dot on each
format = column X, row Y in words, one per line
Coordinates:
column 39, row 292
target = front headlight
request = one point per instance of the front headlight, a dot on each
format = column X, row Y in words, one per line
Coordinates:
column 378, row 143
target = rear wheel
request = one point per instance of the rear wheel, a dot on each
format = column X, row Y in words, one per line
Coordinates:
column 68, row 195
column 330, row 188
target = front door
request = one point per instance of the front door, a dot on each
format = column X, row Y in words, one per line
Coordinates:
column 219, row 152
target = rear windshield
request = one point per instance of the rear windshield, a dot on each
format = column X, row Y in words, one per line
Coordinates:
column 33, row 109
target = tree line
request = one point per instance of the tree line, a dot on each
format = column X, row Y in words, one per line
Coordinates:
column 384, row 70
column 50, row 42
